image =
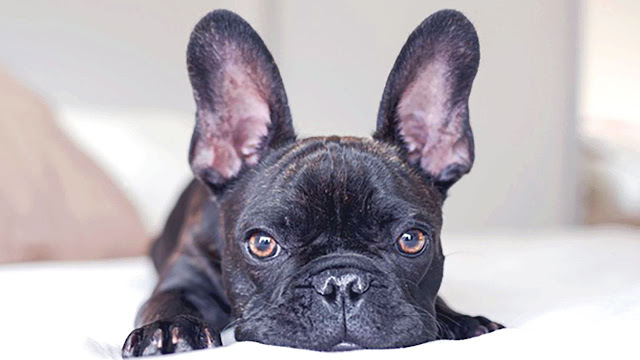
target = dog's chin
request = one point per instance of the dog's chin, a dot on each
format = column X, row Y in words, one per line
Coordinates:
column 345, row 346
column 331, row 337
column 337, row 345
column 342, row 346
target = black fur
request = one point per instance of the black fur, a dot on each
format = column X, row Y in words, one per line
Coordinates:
column 333, row 201
column 336, row 207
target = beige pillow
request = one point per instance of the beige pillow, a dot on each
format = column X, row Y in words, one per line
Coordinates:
column 55, row 203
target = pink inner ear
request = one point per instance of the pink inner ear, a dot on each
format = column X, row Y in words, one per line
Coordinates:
column 433, row 132
column 233, row 134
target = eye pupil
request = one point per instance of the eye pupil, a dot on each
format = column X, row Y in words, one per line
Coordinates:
column 264, row 242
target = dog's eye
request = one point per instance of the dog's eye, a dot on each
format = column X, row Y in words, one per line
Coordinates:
column 263, row 245
column 412, row 242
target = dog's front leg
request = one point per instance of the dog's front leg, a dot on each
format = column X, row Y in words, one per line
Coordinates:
column 456, row 326
column 186, row 311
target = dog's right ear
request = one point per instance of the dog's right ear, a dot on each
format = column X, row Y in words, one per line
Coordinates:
column 242, row 109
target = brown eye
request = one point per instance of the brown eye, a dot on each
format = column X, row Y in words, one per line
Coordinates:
column 412, row 242
column 263, row 245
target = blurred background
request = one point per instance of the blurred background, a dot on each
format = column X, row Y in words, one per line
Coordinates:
column 96, row 110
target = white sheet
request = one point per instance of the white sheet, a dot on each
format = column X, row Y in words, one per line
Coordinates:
column 563, row 293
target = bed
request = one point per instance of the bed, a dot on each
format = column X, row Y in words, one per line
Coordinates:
column 567, row 292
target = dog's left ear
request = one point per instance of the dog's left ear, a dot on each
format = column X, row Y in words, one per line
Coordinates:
column 424, row 107
column 242, row 109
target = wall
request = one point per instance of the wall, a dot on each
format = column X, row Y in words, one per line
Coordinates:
column 334, row 57
column 611, row 53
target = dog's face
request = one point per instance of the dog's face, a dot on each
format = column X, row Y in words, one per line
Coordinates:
column 332, row 242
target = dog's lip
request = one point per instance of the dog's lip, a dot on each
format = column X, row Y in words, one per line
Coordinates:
column 345, row 346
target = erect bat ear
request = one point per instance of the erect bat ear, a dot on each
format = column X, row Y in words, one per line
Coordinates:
column 425, row 104
column 242, row 109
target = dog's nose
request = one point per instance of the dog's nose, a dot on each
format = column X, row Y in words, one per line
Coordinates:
column 349, row 284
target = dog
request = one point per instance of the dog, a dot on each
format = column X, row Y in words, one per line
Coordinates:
column 326, row 243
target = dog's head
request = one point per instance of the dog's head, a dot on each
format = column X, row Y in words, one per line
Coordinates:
column 332, row 242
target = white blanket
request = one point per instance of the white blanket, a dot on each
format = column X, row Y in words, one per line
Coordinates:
column 562, row 293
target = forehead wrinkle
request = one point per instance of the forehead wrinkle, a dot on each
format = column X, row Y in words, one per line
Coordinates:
column 349, row 182
column 296, row 168
column 288, row 160
column 320, row 177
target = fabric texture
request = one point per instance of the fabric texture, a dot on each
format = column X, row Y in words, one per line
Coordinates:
column 571, row 294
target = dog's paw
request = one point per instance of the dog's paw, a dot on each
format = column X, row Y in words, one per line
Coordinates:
column 472, row 326
column 183, row 333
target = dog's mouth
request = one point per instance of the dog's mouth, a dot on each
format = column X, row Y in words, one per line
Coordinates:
column 345, row 346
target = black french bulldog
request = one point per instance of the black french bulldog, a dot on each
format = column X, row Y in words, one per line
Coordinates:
column 327, row 243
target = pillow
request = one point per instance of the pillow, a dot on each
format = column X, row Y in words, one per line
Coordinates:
column 55, row 203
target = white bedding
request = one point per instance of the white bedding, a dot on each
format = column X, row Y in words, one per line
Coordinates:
column 563, row 293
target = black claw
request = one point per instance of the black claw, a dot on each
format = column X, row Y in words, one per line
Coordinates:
column 482, row 325
column 184, row 333
column 128, row 350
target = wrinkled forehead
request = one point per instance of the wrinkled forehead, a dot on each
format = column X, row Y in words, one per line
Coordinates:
column 339, row 186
